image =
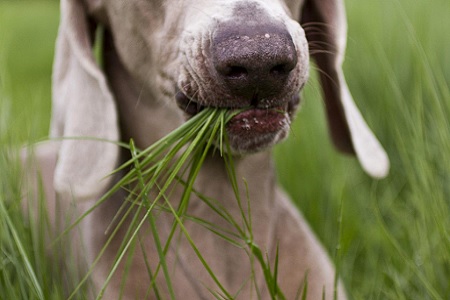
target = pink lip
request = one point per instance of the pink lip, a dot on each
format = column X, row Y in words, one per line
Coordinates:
column 257, row 121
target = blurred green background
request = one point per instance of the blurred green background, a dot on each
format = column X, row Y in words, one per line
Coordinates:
column 390, row 238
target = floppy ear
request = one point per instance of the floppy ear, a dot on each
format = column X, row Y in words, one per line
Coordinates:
column 83, row 109
column 326, row 31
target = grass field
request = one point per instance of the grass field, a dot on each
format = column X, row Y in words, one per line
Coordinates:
column 389, row 238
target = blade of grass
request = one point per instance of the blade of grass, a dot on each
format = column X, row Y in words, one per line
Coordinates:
column 34, row 283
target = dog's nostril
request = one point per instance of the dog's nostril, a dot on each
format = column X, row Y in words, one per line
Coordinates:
column 281, row 69
column 236, row 72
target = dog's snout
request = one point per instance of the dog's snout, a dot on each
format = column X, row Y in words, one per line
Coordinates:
column 253, row 60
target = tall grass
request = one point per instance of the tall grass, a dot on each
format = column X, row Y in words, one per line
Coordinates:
column 395, row 233
column 394, row 237
column 25, row 56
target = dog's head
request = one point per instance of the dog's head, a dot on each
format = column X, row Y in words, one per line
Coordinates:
column 249, row 54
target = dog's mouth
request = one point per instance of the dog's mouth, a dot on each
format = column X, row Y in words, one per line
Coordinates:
column 255, row 128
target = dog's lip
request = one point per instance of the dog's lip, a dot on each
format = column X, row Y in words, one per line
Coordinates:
column 191, row 107
column 258, row 121
column 252, row 128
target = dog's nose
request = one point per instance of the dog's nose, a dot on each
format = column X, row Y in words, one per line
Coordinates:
column 253, row 62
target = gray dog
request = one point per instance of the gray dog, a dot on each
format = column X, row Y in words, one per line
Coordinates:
column 163, row 61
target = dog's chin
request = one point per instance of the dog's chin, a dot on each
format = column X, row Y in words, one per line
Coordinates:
column 254, row 129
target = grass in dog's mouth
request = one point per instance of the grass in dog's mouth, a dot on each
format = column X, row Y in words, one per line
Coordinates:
column 151, row 175
column 191, row 107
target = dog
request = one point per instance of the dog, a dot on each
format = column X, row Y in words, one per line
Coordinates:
column 162, row 61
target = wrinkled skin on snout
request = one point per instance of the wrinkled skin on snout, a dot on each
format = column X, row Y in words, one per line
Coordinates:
column 215, row 53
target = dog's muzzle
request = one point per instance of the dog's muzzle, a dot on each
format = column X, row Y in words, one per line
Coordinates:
column 252, row 66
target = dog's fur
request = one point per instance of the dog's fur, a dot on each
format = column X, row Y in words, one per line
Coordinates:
column 160, row 55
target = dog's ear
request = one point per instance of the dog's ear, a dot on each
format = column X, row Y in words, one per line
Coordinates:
column 84, row 113
column 326, row 31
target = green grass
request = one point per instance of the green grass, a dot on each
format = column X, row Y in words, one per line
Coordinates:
column 395, row 233
column 394, row 241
